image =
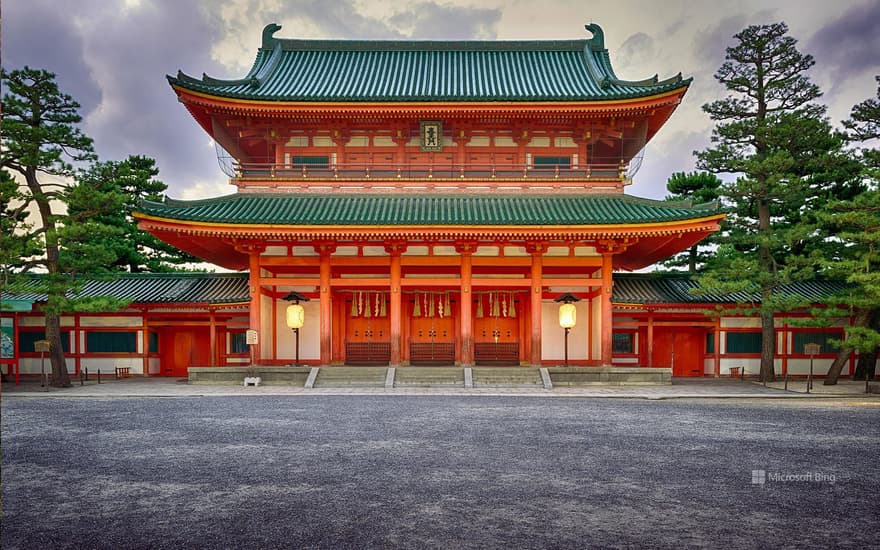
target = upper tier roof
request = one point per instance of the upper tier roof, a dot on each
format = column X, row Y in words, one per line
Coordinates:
column 430, row 71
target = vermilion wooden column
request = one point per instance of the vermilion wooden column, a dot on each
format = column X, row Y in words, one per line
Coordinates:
column 650, row 338
column 394, row 310
column 255, row 292
column 467, row 344
column 212, row 336
column 717, row 353
column 326, row 309
column 536, row 295
column 607, row 312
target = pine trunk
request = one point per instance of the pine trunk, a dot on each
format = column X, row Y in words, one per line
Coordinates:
column 60, row 377
column 768, row 347
column 837, row 367
column 866, row 366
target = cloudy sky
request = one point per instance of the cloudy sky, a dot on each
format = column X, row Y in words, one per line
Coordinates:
column 112, row 56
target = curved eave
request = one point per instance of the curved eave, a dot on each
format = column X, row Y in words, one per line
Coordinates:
column 642, row 244
column 334, row 109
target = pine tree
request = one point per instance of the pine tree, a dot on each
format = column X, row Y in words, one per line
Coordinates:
column 772, row 135
column 698, row 188
column 856, row 225
column 41, row 142
column 132, row 180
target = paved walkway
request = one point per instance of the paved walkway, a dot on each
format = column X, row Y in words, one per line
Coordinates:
column 680, row 389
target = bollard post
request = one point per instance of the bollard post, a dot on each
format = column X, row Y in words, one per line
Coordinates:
column 99, row 376
column 786, row 381
column 87, row 373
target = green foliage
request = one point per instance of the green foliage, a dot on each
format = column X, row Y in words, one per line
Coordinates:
column 699, row 188
column 127, row 182
column 39, row 125
column 788, row 161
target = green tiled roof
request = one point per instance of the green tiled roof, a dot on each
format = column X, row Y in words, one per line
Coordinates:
column 669, row 288
column 389, row 71
column 229, row 288
column 157, row 288
column 426, row 209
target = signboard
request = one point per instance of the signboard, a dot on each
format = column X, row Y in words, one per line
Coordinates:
column 812, row 349
column 41, row 346
column 251, row 337
column 7, row 338
column 431, row 135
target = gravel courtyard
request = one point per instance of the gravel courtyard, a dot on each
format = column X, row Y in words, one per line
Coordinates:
column 438, row 472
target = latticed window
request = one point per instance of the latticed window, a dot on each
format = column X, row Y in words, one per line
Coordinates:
column 743, row 342
column 623, row 342
column 552, row 163
column 824, row 339
column 111, row 342
column 238, row 342
column 26, row 339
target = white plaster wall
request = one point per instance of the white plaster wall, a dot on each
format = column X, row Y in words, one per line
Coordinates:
column 113, row 321
column 309, row 335
column 266, row 321
column 820, row 366
column 31, row 365
column 553, row 336
column 752, row 365
column 155, row 365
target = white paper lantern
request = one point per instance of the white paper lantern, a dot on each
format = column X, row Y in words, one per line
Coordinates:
column 296, row 316
column 567, row 315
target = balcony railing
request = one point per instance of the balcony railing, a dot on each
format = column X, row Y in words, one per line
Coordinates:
column 373, row 171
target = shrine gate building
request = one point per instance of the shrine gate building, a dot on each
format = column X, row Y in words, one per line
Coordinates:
column 430, row 199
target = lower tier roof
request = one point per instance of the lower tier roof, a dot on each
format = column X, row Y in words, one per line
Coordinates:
column 416, row 209
column 232, row 288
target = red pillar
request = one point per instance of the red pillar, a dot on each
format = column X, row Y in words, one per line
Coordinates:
column 212, row 336
column 650, row 338
column 536, row 295
column 394, row 311
column 326, row 309
column 717, row 347
column 607, row 312
column 467, row 345
column 255, row 305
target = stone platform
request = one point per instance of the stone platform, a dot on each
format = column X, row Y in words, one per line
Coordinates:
column 430, row 377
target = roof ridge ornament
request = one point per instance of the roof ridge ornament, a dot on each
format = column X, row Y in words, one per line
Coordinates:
column 269, row 41
column 597, row 42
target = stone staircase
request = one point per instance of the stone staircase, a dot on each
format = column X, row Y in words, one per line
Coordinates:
column 433, row 377
column 507, row 377
column 429, row 377
column 349, row 377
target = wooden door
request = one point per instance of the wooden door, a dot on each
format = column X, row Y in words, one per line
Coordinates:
column 680, row 349
column 432, row 335
column 496, row 331
column 367, row 330
column 688, row 353
column 180, row 355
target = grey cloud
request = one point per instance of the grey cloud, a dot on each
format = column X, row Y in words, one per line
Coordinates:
column 635, row 50
column 38, row 34
column 850, row 44
column 114, row 63
column 435, row 21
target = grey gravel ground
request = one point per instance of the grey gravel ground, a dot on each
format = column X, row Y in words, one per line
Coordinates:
column 437, row 472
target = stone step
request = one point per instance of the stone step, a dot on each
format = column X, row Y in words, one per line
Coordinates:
column 507, row 376
column 427, row 377
column 340, row 377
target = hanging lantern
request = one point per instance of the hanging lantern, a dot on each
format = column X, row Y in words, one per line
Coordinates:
column 567, row 315
column 296, row 316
